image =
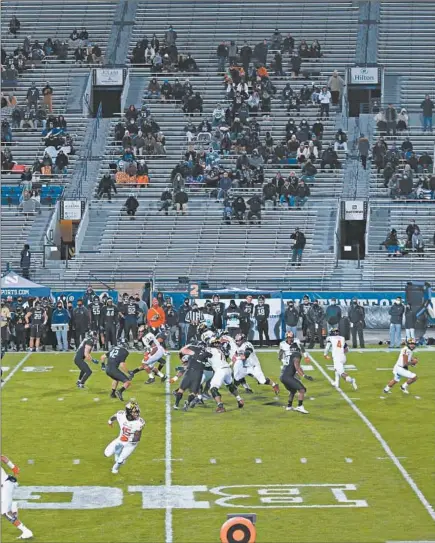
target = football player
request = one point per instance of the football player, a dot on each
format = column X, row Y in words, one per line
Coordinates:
column 131, row 426
column 406, row 359
column 291, row 367
column 222, row 375
column 95, row 315
column 154, row 354
column 83, row 356
column 36, row 319
column 251, row 363
column 114, row 358
column 287, row 346
column 338, row 347
column 9, row 507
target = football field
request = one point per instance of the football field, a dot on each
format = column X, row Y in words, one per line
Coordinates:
column 359, row 468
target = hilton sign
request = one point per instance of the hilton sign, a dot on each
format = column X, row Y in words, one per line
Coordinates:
column 364, row 76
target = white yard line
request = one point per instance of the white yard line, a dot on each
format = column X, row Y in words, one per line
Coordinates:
column 168, row 456
column 14, row 370
column 382, row 442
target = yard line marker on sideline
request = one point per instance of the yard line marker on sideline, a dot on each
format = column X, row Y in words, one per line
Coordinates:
column 258, row 460
column 30, row 461
column 212, row 460
column 76, row 461
column 383, row 443
column 349, row 460
column 303, row 460
column 14, row 370
column 168, row 456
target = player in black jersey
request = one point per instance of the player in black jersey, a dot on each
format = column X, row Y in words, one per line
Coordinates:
column 36, row 318
column 196, row 355
column 95, row 314
column 109, row 319
column 114, row 358
column 291, row 367
column 83, row 356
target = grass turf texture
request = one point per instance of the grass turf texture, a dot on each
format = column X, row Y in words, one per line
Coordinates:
column 54, row 432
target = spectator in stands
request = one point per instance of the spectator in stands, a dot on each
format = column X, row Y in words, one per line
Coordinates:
column 269, row 193
column 303, row 49
column 246, row 56
column 14, row 26
column 296, row 62
column 232, row 52
column 106, row 185
column 425, row 162
column 181, row 199
column 340, row 141
column 392, row 243
column 138, row 144
column 25, row 261
column 324, row 100
column 315, row 49
column 61, row 163
column 411, row 228
column 427, row 109
column 388, row 174
column 308, row 171
column 379, row 153
column 363, row 148
column 402, row 120
column 131, row 205
column 407, row 148
column 32, row 96
column 170, row 36
column 166, row 201
column 298, row 246
column 329, row 156
column 47, row 93
column 254, row 213
column 149, row 54
column 222, row 55
column 381, row 122
column 260, row 52
column 336, row 85
column 153, row 88
column 276, row 40
column 302, row 193
column 391, row 118
column 74, row 36
column 97, row 54
column 225, row 184
column 417, row 242
column 318, row 128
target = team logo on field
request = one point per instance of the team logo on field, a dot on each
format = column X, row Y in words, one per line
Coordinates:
column 280, row 496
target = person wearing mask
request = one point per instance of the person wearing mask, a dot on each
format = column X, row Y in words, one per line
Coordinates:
column 36, row 319
column 316, row 320
column 261, row 315
column 208, row 315
column 324, row 100
column 298, row 246
column 156, row 316
column 291, row 318
column 172, row 323
column 232, row 319
column 417, row 242
column 427, row 109
column 88, row 296
column 47, row 93
column 336, row 85
column 193, row 318
column 396, row 312
column 109, row 320
column 333, row 315
column 81, row 321
column 246, row 314
column 61, row 316
column 391, row 118
column 218, row 310
column 106, row 185
column 19, row 323
column 131, row 205
column 182, row 312
column 25, row 261
column 357, row 323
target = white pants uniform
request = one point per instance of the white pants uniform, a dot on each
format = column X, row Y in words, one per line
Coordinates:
column 121, row 449
column 339, row 365
column 7, row 491
column 399, row 372
column 221, row 377
column 206, row 376
column 240, row 370
column 255, row 371
column 160, row 353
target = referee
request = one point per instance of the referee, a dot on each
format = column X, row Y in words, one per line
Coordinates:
column 114, row 358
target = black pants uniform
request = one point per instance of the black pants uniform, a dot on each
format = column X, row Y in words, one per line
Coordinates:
column 20, row 337
column 192, row 380
column 115, row 373
column 110, row 333
column 130, row 326
column 263, row 332
column 357, row 329
column 292, row 384
column 85, row 370
column 245, row 327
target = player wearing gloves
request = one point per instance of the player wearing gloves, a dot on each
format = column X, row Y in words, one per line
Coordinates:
column 131, row 426
column 338, row 347
column 291, row 367
column 83, row 356
column 155, row 354
column 115, row 358
column 9, row 507
column 406, row 358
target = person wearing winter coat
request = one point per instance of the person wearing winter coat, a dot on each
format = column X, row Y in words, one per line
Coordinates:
column 392, row 243
column 336, row 85
column 232, row 52
column 61, row 316
column 396, row 313
column 131, row 205
column 340, row 141
column 324, row 100
column 391, row 118
column 295, row 61
column 181, row 199
column 269, row 193
column 402, row 120
column 333, row 314
column 417, row 242
column 363, row 148
column 106, row 185
column 410, row 322
column 291, row 317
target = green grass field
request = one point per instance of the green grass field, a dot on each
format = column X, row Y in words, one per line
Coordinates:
column 322, row 477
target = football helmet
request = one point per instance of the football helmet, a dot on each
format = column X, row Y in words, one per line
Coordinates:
column 132, row 410
column 334, row 332
column 122, row 343
column 289, row 336
column 411, row 344
column 202, row 327
column 208, row 336
column 240, row 339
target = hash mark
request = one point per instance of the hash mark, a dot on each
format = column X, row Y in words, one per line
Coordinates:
column 96, row 399
column 24, row 399
column 76, row 461
column 303, row 460
column 258, row 461
column 212, row 460
column 349, row 460
column 417, row 397
column 30, row 461
column 60, row 399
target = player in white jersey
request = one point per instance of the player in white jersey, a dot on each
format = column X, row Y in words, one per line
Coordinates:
column 131, row 426
column 154, row 353
column 222, row 375
column 250, row 364
column 406, row 358
column 338, row 347
column 287, row 347
column 9, row 507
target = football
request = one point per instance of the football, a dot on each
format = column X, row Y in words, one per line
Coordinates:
column 414, row 361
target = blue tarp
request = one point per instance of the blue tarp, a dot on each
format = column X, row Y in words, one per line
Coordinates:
column 13, row 284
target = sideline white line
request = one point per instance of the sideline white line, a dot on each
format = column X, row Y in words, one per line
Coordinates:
column 168, row 455
column 383, row 443
column 14, row 370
